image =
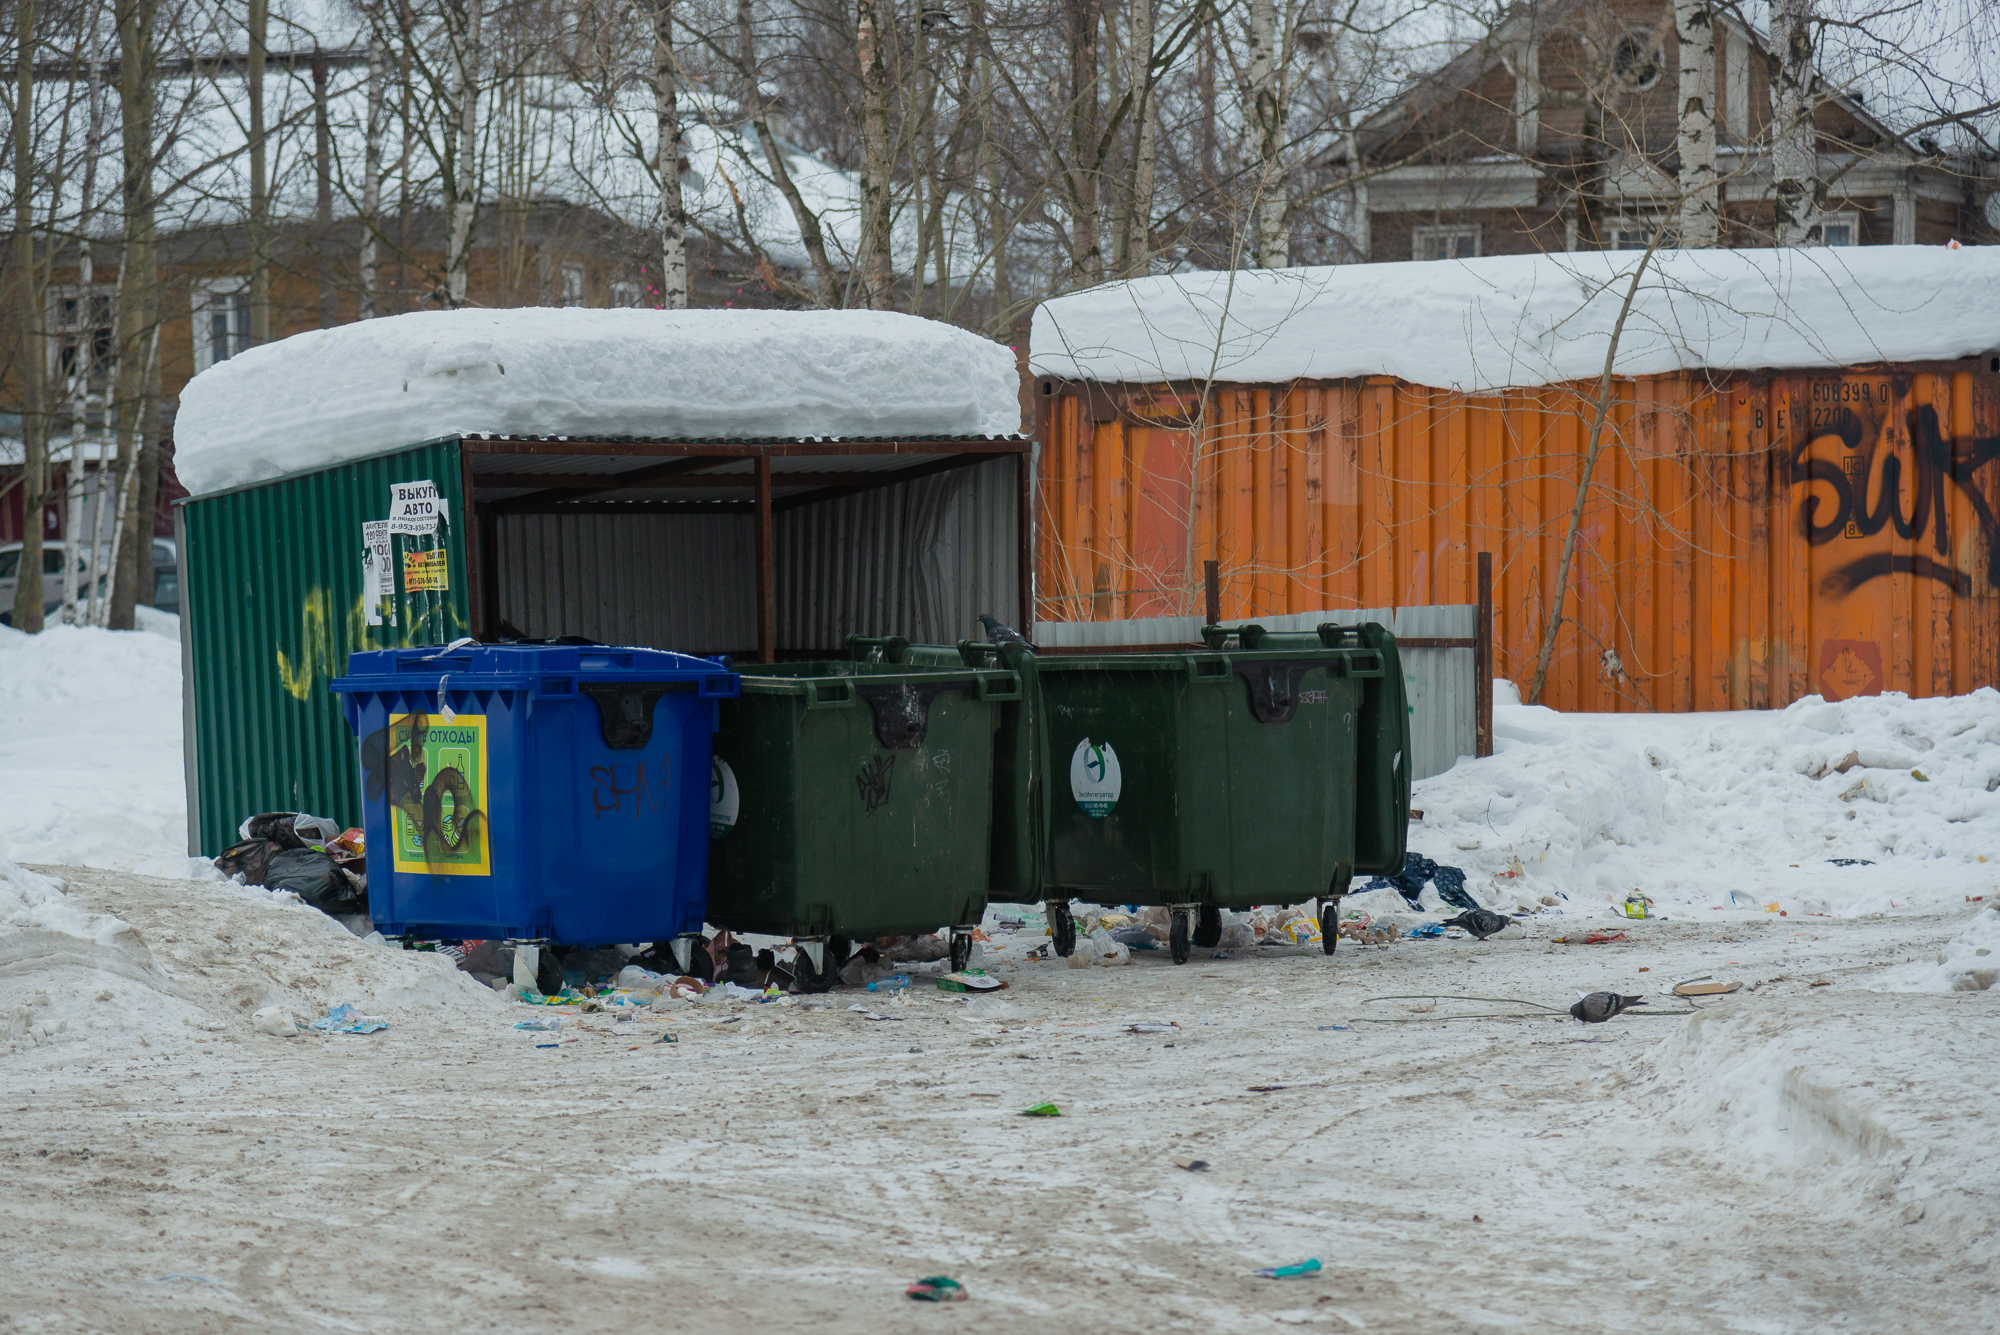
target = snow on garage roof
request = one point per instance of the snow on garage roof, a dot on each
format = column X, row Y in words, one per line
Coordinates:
column 319, row 399
column 1523, row 320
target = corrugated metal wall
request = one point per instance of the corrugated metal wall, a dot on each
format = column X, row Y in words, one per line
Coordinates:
column 1442, row 685
column 1744, row 542
column 920, row 559
column 681, row 582
column 271, row 605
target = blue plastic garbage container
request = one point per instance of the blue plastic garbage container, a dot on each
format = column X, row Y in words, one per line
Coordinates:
column 535, row 792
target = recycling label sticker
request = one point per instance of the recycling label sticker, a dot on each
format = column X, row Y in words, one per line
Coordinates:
column 1094, row 777
column 723, row 798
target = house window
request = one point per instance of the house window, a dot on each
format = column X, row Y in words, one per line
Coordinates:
column 1635, row 64
column 624, row 294
column 221, row 320
column 572, row 284
column 1632, row 233
column 1444, row 243
column 83, row 325
column 1840, row 229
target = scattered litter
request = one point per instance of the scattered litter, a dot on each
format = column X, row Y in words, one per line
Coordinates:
column 1222, row 955
column 192, row 1279
column 1595, row 939
column 1638, row 906
column 1310, row 1266
column 937, row 1289
column 1323, row 1028
column 1699, row 988
column 867, row 1014
column 539, row 1024
column 668, row 1038
column 276, row 1021
column 344, row 1019
column 1190, row 1164
column 969, row 980
column 1272, row 1089
column 895, row 982
column 1430, row 931
column 1042, row 1110
column 1152, row 1027
column 1850, row 862
column 1824, row 982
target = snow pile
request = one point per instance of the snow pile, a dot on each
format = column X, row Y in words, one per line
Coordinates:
column 1867, row 1108
column 321, row 398
column 1521, row 320
column 33, row 903
column 1969, row 962
column 90, row 749
column 1728, row 811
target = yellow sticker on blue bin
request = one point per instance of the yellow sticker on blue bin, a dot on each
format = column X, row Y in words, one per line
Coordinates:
column 438, row 794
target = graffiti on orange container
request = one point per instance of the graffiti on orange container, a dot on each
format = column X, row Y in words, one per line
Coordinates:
column 1912, row 475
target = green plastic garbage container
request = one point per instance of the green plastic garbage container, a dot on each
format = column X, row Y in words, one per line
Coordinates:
column 853, row 800
column 1268, row 768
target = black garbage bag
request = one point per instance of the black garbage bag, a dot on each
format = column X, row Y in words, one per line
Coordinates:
column 1417, row 871
column 250, row 859
column 318, row 880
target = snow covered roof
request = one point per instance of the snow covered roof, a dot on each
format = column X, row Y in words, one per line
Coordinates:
column 1523, row 320
column 319, row 399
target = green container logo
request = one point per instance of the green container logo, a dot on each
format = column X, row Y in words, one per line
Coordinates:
column 1094, row 778
column 723, row 798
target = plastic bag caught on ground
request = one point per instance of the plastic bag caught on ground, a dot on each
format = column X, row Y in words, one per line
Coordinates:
column 290, row 829
column 1103, row 949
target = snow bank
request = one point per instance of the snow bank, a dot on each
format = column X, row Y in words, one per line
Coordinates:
column 1728, row 811
column 1862, row 1108
column 31, row 902
column 1969, row 962
column 318, row 399
column 1521, row 320
column 90, row 750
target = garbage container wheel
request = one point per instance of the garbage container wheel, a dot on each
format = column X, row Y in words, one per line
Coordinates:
column 961, row 949
column 838, row 951
column 805, row 978
column 1177, row 935
column 1208, row 928
column 701, row 964
column 1329, row 923
column 1062, row 927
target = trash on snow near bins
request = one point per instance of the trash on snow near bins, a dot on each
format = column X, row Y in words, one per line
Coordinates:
column 937, row 1289
column 1042, row 1110
column 344, row 1019
column 1310, row 1266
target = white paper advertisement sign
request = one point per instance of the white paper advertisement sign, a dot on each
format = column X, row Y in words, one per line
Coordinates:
column 378, row 581
column 416, row 507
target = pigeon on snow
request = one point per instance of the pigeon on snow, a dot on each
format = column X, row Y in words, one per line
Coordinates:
column 1482, row 923
column 999, row 632
column 1597, row 1007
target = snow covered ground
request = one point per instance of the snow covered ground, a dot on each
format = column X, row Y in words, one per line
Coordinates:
column 90, row 747
column 1810, row 1153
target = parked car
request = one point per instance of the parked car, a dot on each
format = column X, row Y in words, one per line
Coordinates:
column 166, row 577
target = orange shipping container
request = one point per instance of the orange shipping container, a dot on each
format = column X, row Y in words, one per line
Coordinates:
column 1745, row 540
